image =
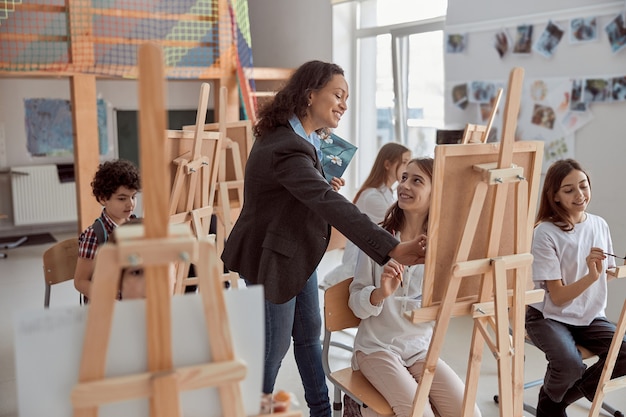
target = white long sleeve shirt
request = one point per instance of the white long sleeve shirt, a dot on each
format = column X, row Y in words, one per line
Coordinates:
column 383, row 327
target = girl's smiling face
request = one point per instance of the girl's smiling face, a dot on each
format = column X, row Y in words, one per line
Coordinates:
column 414, row 189
column 574, row 195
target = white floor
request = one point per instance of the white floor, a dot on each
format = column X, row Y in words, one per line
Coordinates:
column 22, row 287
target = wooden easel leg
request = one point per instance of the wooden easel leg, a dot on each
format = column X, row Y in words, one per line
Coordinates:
column 605, row 379
column 518, row 313
column 164, row 400
column 473, row 372
column 436, row 344
column 504, row 354
column 217, row 324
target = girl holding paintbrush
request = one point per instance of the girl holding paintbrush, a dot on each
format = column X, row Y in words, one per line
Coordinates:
column 570, row 248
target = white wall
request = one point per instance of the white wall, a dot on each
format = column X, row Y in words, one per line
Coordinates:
column 600, row 145
column 287, row 33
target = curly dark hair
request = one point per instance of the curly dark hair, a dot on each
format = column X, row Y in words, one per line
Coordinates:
column 111, row 175
column 293, row 98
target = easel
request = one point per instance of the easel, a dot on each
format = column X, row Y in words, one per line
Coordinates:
column 479, row 133
column 487, row 254
column 606, row 384
column 195, row 154
column 229, row 197
column 155, row 247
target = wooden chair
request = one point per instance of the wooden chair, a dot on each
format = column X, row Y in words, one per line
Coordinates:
column 338, row 316
column 59, row 264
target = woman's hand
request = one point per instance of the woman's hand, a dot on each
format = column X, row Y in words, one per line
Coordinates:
column 411, row 252
column 337, row 183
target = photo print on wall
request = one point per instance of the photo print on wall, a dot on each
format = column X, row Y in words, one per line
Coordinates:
column 456, row 43
column 583, row 29
column 616, row 31
column 523, row 39
column 502, row 42
column 549, row 40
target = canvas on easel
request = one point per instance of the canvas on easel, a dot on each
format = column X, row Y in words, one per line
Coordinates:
column 482, row 267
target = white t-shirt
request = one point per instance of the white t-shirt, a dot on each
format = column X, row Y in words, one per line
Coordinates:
column 383, row 327
column 374, row 202
column 561, row 255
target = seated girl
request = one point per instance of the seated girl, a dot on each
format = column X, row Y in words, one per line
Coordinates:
column 390, row 350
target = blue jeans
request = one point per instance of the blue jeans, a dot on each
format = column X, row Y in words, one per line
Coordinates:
column 565, row 366
column 301, row 319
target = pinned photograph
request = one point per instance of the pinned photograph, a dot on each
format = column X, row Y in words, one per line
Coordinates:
column 583, row 29
column 459, row 96
column 558, row 148
column 549, row 40
column 597, row 89
column 523, row 39
column 481, row 91
column 538, row 90
column 577, row 102
column 543, row 116
column 574, row 120
column 616, row 31
column 619, row 88
column 456, row 43
column 502, row 42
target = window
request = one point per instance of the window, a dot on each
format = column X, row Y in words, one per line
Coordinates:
column 392, row 52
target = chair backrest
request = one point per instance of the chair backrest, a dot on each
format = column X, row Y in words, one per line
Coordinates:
column 337, row 313
column 59, row 261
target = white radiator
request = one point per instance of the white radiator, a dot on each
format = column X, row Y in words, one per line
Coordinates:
column 39, row 197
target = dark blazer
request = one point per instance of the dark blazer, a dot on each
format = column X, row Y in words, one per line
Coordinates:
column 284, row 226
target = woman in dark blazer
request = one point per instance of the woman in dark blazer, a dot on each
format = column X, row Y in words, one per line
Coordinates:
column 284, row 226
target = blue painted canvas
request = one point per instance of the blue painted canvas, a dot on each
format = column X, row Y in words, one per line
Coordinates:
column 336, row 155
column 49, row 130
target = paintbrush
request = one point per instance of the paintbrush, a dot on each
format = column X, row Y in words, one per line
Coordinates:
column 615, row 256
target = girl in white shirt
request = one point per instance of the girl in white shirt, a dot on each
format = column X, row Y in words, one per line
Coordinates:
column 569, row 249
column 390, row 350
column 374, row 199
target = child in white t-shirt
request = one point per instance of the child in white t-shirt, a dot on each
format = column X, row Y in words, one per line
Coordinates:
column 569, row 249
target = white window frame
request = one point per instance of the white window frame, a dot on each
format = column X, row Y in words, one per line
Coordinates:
column 346, row 34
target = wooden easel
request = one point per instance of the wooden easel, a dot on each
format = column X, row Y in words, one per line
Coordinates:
column 490, row 271
column 195, row 154
column 606, row 384
column 229, row 197
column 479, row 133
column 155, row 247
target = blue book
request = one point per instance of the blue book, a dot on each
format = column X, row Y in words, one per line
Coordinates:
column 336, row 155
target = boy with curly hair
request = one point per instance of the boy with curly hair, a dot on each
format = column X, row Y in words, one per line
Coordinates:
column 115, row 186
